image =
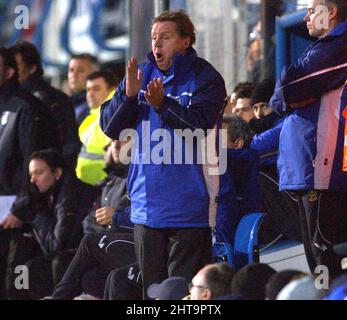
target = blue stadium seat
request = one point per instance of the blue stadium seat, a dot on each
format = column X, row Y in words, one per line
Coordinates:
column 244, row 250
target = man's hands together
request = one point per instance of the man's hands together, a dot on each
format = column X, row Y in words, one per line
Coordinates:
column 155, row 89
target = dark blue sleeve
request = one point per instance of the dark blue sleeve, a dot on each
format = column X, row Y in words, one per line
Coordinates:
column 206, row 106
column 121, row 218
column 119, row 113
column 317, row 72
column 267, row 142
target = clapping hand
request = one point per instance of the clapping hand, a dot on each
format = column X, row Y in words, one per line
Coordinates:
column 155, row 93
column 133, row 79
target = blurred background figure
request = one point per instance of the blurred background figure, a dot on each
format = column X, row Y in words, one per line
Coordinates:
column 90, row 163
column 31, row 78
column 80, row 67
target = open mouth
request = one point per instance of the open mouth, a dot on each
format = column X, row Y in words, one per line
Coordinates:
column 159, row 57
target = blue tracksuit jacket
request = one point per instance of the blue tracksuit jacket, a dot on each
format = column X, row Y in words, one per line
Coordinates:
column 312, row 137
column 170, row 195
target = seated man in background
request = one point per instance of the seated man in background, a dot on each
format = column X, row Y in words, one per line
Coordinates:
column 281, row 207
column 266, row 125
column 211, row 282
column 50, row 207
column 90, row 162
column 243, row 107
column 239, row 193
column 30, row 76
column 100, row 253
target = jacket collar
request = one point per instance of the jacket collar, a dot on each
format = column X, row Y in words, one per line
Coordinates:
column 340, row 29
column 32, row 82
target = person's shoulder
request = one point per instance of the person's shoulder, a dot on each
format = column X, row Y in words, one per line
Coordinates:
column 25, row 101
column 204, row 69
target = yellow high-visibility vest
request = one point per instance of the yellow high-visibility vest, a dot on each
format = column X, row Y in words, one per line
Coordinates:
column 90, row 163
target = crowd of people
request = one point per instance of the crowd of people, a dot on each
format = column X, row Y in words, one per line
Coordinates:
column 87, row 223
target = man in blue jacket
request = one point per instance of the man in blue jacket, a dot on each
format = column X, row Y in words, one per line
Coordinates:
column 173, row 203
column 313, row 93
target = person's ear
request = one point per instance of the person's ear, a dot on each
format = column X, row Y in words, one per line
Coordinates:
column 9, row 73
column 333, row 13
column 58, row 173
column 186, row 43
column 32, row 69
column 239, row 143
column 207, row 294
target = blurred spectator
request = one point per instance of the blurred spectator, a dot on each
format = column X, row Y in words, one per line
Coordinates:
column 100, row 253
column 255, row 54
column 243, row 106
column 80, row 67
column 250, row 281
column 239, row 192
column 50, row 207
column 301, row 289
column 312, row 93
column 113, row 190
column 211, row 282
column 30, row 73
column 25, row 126
column 90, row 163
column 174, row 288
column 279, row 280
column 234, row 96
column 281, row 208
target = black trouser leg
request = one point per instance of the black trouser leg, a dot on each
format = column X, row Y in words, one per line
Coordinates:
column 326, row 220
column 23, row 247
column 109, row 250
column 163, row 253
column 151, row 247
column 189, row 251
column 124, row 284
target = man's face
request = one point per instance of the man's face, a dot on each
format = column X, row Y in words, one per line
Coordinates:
column 79, row 70
column 244, row 109
column 97, row 91
column 166, row 43
column 23, row 69
column 261, row 110
column 42, row 176
column 197, row 287
column 317, row 18
column 113, row 152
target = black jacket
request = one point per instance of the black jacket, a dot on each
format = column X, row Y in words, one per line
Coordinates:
column 26, row 125
column 56, row 216
column 63, row 113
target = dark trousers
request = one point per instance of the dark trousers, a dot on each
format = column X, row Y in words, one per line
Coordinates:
column 282, row 214
column 16, row 248
column 163, row 253
column 124, row 284
column 45, row 272
column 105, row 252
column 324, row 224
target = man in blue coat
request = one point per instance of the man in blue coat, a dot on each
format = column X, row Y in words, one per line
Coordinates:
column 313, row 93
column 173, row 202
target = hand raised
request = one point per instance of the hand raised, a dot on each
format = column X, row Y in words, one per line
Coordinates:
column 155, row 93
column 133, row 78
